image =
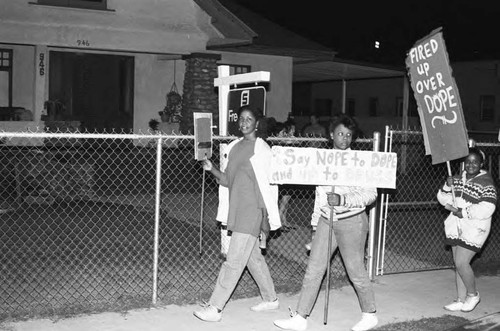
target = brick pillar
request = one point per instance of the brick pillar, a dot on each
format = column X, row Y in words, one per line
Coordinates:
column 199, row 93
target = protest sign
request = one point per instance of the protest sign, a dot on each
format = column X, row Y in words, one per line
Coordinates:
column 314, row 166
column 438, row 100
column 202, row 135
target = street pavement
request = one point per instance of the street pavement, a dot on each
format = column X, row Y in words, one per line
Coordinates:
column 400, row 297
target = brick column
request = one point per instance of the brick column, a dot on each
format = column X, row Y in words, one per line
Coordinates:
column 199, row 94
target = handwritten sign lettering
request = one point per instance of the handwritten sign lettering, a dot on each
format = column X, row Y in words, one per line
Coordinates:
column 437, row 98
column 313, row 166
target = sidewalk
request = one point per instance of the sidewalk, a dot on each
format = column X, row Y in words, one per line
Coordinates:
column 400, row 297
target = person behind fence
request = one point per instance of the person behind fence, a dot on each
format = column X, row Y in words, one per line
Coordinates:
column 286, row 130
column 471, row 203
column 314, row 129
column 252, row 205
column 350, row 229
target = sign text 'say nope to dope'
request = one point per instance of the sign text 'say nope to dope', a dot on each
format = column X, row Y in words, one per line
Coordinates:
column 312, row 166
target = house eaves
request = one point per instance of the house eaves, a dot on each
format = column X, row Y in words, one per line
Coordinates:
column 298, row 55
column 232, row 31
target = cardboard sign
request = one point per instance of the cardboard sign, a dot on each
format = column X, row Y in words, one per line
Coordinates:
column 202, row 135
column 314, row 166
column 438, row 100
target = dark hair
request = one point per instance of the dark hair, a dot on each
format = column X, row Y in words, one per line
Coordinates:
column 277, row 128
column 257, row 113
column 289, row 124
column 478, row 152
column 346, row 121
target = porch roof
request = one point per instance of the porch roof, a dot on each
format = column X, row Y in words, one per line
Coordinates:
column 339, row 69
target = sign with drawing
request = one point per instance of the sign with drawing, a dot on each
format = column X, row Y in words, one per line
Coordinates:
column 314, row 166
column 438, row 100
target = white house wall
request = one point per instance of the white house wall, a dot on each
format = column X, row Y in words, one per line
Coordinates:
column 153, row 32
column 129, row 25
column 153, row 80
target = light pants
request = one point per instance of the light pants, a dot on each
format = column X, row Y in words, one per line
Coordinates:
column 349, row 235
column 243, row 252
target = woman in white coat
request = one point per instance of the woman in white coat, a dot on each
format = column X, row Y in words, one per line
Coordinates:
column 251, row 204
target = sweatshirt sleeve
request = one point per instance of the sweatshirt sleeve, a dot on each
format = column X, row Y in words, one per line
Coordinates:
column 486, row 206
column 359, row 197
column 320, row 200
column 444, row 195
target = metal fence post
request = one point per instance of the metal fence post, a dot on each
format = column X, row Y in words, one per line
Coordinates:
column 372, row 217
column 157, row 218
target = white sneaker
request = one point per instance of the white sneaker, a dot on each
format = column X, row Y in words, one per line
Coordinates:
column 455, row 305
column 471, row 302
column 266, row 305
column 308, row 246
column 368, row 321
column 209, row 313
column 295, row 323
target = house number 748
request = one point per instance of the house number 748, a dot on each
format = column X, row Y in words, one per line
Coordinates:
column 82, row 42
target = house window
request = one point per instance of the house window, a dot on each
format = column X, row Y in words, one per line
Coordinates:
column 487, row 106
column 351, row 107
column 399, row 107
column 237, row 69
column 373, row 107
column 412, row 107
column 89, row 4
column 323, row 107
column 5, row 77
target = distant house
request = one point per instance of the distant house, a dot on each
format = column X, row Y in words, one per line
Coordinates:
column 479, row 86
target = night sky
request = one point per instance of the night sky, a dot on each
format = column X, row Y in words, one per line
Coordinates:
column 471, row 28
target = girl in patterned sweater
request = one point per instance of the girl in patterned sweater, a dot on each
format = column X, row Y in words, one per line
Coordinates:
column 468, row 225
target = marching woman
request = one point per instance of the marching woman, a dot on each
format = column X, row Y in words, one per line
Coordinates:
column 349, row 234
column 468, row 225
column 250, row 207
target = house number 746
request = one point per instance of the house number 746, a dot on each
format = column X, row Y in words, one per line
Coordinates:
column 82, row 42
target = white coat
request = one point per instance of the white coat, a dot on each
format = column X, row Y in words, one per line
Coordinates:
column 261, row 163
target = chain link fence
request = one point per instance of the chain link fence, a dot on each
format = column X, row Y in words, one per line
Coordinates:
column 411, row 220
column 111, row 222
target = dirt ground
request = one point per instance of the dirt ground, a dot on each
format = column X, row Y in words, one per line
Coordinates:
column 400, row 297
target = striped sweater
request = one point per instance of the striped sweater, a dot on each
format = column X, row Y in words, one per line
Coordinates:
column 477, row 197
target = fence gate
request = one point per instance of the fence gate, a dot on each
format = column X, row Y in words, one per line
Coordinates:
column 410, row 233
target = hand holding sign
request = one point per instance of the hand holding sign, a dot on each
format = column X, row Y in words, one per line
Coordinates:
column 449, row 181
column 207, row 165
column 450, row 208
column 334, row 199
